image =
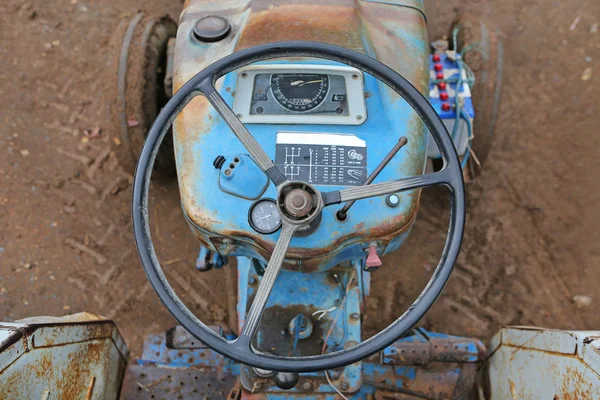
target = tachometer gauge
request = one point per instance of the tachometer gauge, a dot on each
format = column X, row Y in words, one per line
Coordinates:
column 264, row 217
column 299, row 92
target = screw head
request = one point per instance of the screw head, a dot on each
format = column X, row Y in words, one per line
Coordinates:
column 307, row 385
column 345, row 386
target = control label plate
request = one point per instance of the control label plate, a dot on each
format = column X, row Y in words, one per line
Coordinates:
column 322, row 158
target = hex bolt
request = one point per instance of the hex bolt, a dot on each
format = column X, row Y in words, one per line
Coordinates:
column 307, row 385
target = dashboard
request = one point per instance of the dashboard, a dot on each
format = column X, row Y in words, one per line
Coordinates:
column 306, row 94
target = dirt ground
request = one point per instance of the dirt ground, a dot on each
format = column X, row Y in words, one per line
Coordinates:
column 530, row 244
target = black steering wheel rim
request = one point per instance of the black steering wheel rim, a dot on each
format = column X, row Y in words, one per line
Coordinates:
column 453, row 180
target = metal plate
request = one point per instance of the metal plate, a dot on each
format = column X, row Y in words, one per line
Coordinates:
column 153, row 383
column 348, row 80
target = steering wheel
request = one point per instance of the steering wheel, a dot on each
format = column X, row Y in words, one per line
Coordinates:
column 299, row 204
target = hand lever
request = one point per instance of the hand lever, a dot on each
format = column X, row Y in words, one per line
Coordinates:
column 342, row 213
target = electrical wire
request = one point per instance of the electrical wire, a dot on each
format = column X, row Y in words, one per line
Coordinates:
column 340, row 308
column 333, row 386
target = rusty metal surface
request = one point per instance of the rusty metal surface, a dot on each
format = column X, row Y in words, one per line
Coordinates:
column 423, row 347
column 536, row 363
column 394, row 34
column 160, row 382
column 77, row 357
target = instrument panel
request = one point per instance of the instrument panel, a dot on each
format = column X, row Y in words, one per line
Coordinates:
column 300, row 94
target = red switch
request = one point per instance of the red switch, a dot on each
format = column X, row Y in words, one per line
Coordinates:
column 436, row 58
column 446, row 107
column 438, row 67
column 439, row 75
column 442, row 85
column 444, row 96
column 373, row 261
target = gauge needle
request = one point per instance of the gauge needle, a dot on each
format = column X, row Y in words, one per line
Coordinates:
column 302, row 83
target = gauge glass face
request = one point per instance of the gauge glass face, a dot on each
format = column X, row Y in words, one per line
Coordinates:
column 264, row 216
column 300, row 92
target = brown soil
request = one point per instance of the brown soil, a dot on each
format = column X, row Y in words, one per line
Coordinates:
column 66, row 242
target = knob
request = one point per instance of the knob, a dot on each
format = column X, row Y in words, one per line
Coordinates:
column 286, row 380
column 373, row 261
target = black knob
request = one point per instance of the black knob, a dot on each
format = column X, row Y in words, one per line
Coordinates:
column 286, row 380
column 219, row 161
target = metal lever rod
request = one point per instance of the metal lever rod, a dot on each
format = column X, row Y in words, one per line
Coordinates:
column 341, row 214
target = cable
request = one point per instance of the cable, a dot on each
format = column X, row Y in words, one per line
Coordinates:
column 340, row 308
column 333, row 386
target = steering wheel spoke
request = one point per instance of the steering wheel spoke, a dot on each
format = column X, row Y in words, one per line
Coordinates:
column 380, row 189
column 267, row 282
column 256, row 151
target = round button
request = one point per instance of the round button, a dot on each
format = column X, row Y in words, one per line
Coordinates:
column 436, row 58
column 438, row 67
column 442, row 85
column 443, row 96
column 446, row 107
column 439, row 75
column 211, row 28
column 392, row 200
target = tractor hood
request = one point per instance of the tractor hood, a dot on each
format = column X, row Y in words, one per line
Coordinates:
column 394, row 32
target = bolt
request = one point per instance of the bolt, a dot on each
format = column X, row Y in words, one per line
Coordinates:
column 307, row 385
column 345, row 386
column 355, row 316
column 257, row 385
column 251, row 280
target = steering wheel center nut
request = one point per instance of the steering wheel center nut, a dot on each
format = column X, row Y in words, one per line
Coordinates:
column 298, row 203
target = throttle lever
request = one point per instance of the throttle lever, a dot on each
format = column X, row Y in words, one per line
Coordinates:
column 343, row 212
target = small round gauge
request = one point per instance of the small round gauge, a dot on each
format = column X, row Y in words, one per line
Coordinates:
column 300, row 92
column 264, row 216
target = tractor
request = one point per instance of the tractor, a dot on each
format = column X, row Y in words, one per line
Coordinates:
column 301, row 135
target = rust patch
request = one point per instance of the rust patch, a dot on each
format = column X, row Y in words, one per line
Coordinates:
column 339, row 25
column 575, row 386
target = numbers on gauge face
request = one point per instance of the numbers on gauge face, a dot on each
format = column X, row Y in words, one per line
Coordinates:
column 264, row 216
column 300, row 92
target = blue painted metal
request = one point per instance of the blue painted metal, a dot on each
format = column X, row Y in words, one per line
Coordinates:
column 227, row 213
column 181, row 353
column 241, row 177
column 210, row 258
column 451, row 70
column 200, row 134
column 459, row 113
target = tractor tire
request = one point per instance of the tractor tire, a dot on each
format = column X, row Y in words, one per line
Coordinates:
column 486, row 63
column 137, row 95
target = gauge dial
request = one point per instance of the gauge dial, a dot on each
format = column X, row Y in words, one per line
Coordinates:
column 300, row 92
column 264, row 216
